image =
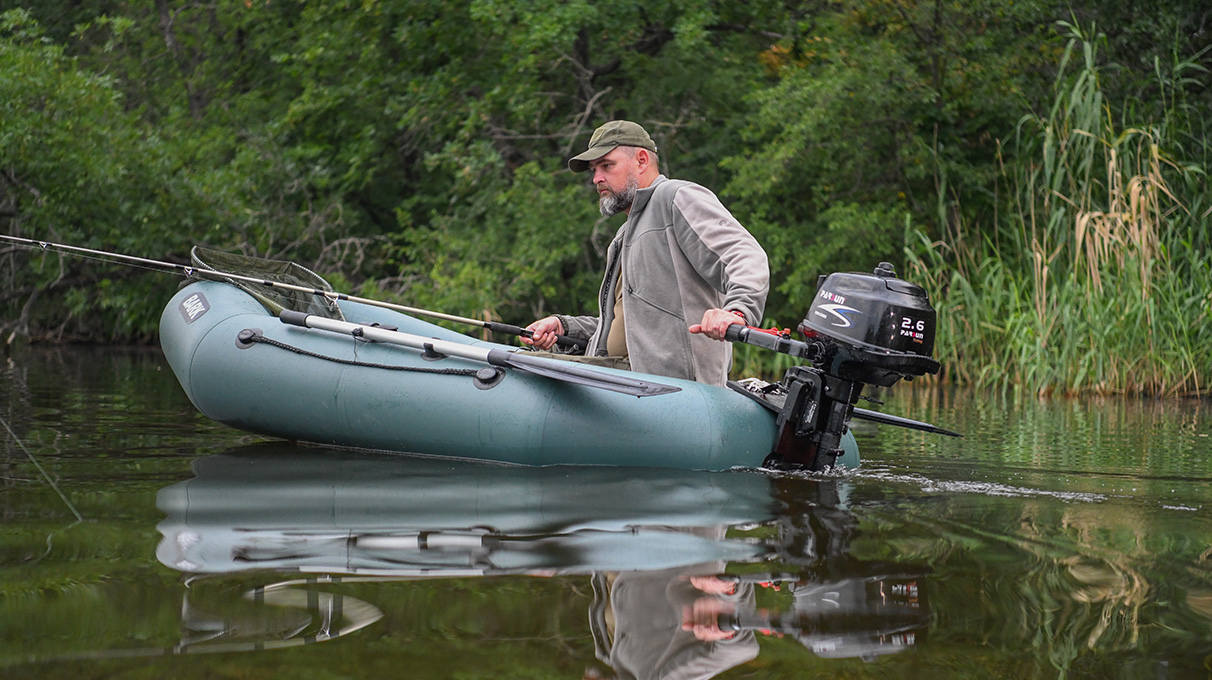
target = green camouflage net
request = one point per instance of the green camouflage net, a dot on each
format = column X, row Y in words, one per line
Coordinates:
column 273, row 298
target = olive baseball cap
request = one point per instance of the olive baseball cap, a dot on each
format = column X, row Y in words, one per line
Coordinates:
column 605, row 139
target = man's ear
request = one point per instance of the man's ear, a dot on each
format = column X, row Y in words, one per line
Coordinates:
column 643, row 158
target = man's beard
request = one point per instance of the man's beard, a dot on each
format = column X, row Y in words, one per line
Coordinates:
column 614, row 202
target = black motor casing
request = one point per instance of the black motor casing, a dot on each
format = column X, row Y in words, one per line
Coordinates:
column 877, row 328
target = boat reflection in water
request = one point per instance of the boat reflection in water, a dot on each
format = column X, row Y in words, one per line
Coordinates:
column 676, row 557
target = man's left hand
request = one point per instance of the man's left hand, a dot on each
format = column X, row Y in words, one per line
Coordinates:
column 716, row 322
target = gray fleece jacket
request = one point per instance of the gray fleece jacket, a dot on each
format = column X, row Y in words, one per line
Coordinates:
column 683, row 253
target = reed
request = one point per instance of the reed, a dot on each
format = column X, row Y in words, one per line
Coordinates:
column 1097, row 277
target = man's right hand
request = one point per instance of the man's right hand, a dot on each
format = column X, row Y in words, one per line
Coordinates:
column 545, row 331
column 702, row 619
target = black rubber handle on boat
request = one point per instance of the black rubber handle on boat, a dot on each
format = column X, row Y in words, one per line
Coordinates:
column 289, row 316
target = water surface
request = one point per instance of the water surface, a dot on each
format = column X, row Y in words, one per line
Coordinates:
column 1064, row 539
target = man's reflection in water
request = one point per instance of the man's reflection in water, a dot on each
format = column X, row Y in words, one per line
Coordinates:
column 699, row 621
column 702, row 618
column 665, row 624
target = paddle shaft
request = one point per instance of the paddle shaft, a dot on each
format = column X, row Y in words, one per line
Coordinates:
column 548, row 368
column 191, row 272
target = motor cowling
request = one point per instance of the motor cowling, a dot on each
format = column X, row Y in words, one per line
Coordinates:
column 872, row 328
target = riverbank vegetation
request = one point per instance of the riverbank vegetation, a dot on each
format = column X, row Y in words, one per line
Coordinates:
column 1040, row 168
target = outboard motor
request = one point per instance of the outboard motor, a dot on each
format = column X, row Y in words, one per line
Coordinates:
column 862, row 329
column 863, row 616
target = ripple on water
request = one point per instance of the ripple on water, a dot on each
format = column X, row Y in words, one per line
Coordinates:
column 928, row 485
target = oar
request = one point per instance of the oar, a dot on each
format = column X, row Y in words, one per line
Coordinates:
column 548, row 368
column 191, row 272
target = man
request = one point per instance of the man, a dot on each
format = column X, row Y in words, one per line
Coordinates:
column 666, row 623
column 680, row 271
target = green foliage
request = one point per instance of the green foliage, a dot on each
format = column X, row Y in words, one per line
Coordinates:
column 1098, row 280
column 77, row 167
column 504, row 255
column 874, row 103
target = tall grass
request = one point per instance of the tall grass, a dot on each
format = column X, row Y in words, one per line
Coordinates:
column 1097, row 278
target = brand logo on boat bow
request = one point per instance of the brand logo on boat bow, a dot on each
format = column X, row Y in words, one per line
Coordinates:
column 193, row 307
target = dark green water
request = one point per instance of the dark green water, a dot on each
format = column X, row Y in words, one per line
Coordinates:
column 1056, row 540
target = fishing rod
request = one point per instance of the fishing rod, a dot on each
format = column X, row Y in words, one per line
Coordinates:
column 199, row 272
column 42, row 470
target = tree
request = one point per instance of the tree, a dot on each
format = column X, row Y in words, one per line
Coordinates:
column 77, row 167
column 882, row 115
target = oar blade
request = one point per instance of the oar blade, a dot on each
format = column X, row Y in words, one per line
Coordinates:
column 579, row 375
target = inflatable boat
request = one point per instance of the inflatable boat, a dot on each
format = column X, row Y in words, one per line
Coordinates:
column 345, row 389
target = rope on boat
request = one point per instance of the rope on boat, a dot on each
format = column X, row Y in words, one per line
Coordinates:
column 484, row 377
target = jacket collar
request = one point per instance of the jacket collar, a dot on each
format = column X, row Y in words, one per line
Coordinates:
column 642, row 196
